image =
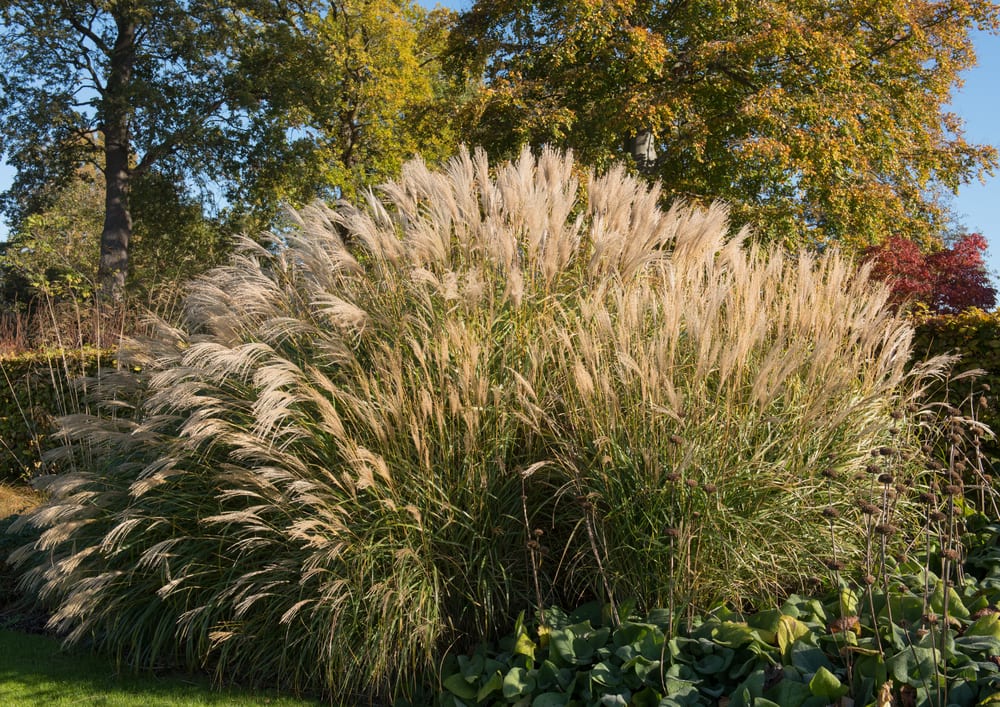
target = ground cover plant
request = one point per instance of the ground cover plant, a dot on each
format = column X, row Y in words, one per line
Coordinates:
column 386, row 431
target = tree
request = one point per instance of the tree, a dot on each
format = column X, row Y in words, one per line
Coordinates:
column 54, row 250
column 821, row 122
column 947, row 280
column 228, row 94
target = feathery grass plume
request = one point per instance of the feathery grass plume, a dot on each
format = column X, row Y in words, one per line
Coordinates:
column 337, row 455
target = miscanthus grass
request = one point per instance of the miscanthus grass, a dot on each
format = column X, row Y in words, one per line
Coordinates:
column 385, row 430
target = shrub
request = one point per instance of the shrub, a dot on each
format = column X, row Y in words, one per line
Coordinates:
column 947, row 280
column 34, row 388
column 393, row 428
column 974, row 335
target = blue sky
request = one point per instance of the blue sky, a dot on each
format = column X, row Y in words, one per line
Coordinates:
column 977, row 102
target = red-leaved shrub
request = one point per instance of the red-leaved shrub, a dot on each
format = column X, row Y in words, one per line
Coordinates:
column 948, row 280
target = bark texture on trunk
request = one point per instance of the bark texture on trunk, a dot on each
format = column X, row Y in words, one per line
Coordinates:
column 642, row 147
column 113, row 267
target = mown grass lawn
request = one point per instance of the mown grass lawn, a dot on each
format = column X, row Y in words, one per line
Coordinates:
column 34, row 671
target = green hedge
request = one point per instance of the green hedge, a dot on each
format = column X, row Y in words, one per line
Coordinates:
column 34, row 390
column 975, row 335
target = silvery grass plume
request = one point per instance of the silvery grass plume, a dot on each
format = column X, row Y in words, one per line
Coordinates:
column 385, row 431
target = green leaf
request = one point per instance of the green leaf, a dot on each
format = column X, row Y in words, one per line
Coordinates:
column 956, row 607
column 714, row 663
column 808, row 659
column 490, row 686
column 789, row 631
column 848, row 600
column 988, row 625
column 732, row 634
column 789, row 693
column 518, row 682
column 457, row 685
column 550, row 699
column 523, row 645
column 606, row 674
column 826, row 684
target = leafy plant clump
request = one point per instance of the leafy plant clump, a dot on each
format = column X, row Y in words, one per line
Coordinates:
column 392, row 428
column 807, row 653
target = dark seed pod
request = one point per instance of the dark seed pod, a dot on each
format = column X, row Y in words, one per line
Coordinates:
column 676, row 439
column 867, row 507
column 885, row 529
column 538, row 532
column 952, row 489
column 672, row 532
column 896, row 414
column 928, row 498
column 885, row 478
column 950, row 554
column 673, row 476
column 830, row 512
column 868, row 579
column 691, row 483
column 937, row 516
column 873, row 468
column 710, row 488
column 834, row 564
column 886, row 451
column 830, row 473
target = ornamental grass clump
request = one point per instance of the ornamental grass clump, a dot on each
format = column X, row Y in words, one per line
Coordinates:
column 387, row 430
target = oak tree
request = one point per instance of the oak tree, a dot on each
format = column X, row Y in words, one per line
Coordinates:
column 821, row 122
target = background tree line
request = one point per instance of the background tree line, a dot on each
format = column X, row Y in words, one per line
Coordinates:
column 144, row 133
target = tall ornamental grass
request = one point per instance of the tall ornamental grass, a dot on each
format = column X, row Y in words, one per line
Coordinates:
column 386, row 430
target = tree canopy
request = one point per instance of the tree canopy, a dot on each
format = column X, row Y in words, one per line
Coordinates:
column 264, row 100
column 821, row 122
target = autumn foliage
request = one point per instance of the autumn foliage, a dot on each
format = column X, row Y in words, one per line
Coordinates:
column 948, row 280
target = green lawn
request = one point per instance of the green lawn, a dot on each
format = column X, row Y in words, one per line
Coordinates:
column 34, row 671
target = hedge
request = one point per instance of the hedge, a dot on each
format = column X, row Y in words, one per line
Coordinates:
column 975, row 336
column 34, row 390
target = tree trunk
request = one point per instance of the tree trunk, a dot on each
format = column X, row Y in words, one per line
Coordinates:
column 116, row 110
column 642, row 147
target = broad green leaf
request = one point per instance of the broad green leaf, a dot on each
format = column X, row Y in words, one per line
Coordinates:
column 956, row 607
column 789, row 693
column 988, row 625
column 826, row 684
column 457, row 685
column 848, row 600
column 518, row 682
column 789, row 631
column 550, row 699
column 492, row 685
column 606, row 674
column 732, row 634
